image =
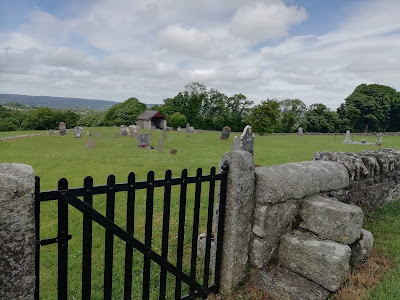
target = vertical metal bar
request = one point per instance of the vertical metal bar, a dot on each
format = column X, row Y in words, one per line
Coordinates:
column 221, row 223
column 181, row 233
column 109, row 241
column 37, row 236
column 62, row 240
column 165, row 233
column 130, row 228
column 87, row 242
column 210, row 213
column 148, row 235
column 195, row 233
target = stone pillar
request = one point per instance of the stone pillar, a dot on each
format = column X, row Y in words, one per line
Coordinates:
column 238, row 218
column 17, row 231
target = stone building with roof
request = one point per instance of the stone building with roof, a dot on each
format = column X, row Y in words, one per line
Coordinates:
column 152, row 117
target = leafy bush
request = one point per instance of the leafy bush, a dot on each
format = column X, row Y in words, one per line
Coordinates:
column 176, row 120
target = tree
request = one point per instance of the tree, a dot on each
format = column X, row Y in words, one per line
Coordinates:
column 124, row 113
column 42, row 118
column 371, row 107
column 292, row 114
column 176, row 120
column 239, row 108
column 264, row 118
column 319, row 118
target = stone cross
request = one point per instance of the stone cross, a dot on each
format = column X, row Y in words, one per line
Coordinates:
column 226, row 131
column 143, row 140
column 123, row 130
column 91, row 143
column 62, row 128
column 300, row 131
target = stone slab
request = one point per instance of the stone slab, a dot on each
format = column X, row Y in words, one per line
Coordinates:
column 322, row 261
column 284, row 284
column 297, row 180
column 332, row 219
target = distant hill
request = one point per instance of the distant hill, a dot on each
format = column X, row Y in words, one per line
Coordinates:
column 59, row 102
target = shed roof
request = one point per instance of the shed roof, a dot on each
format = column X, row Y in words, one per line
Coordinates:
column 149, row 114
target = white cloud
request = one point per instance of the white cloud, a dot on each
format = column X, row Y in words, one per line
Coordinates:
column 266, row 21
column 115, row 49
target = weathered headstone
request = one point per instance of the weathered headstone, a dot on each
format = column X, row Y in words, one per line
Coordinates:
column 62, row 128
column 143, row 140
column 78, row 132
column 123, row 130
column 91, row 143
column 226, row 131
column 160, row 145
column 187, row 127
column 347, row 136
column 179, row 129
column 247, row 139
column 191, row 129
column 300, row 131
column 236, row 144
column 90, row 132
column 116, row 134
column 51, row 132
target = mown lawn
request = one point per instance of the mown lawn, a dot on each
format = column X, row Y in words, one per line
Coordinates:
column 54, row 157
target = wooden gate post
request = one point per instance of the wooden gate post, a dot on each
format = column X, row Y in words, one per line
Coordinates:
column 239, row 211
column 17, row 231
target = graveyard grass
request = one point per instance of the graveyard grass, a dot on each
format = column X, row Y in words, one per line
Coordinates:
column 54, row 157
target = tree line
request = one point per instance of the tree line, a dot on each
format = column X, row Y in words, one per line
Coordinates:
column 371, row 107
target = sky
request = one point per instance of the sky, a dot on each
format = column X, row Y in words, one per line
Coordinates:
column 318, row 51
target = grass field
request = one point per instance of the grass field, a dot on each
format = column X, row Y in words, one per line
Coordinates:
column 54, row 157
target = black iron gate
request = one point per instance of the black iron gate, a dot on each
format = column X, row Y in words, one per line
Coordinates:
column 66, row 196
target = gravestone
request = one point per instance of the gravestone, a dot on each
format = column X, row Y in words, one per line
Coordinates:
column 236, row 144
column 91, row 143
column 347, row 136
column 160, row 145
column 179, row 129
column 191, row 129
column 187, row 127
column 62, row 128
column 90, row 132
column 226, row 131
column 97, row 134
column 78, row 132
column 247, row 139
column 116, row 134
column 164, row 133
column 143, row 140
column 300, row 131
column 51, row 132
column 380, row 138
column 123, row 130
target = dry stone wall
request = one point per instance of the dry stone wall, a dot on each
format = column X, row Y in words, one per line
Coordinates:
column 306, row 231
